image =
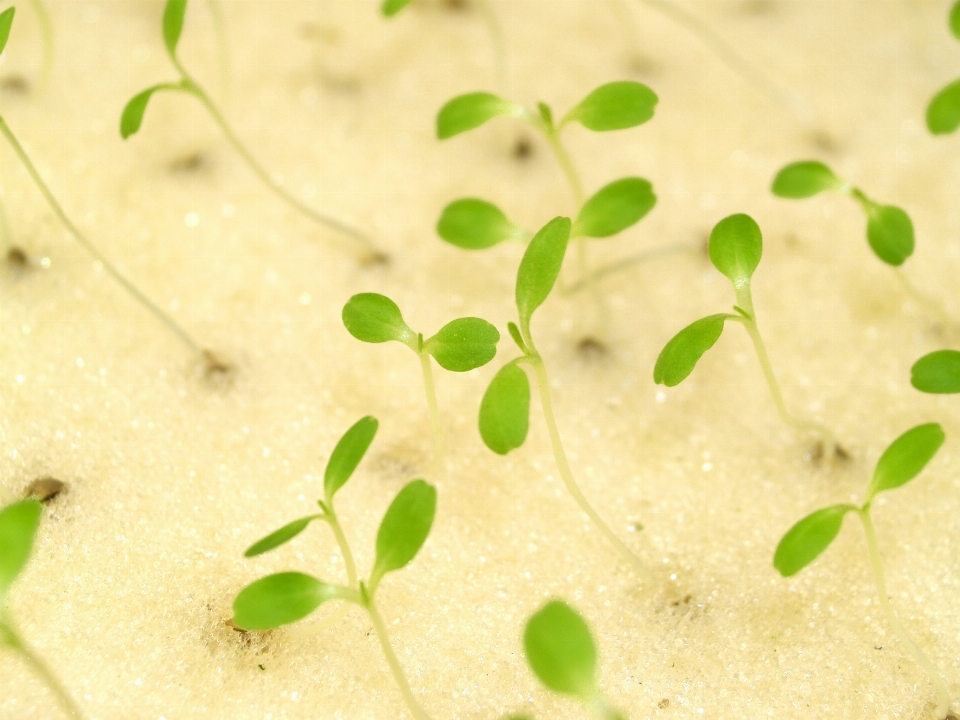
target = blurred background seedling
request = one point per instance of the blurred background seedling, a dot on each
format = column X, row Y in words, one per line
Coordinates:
column 943, row 112
column 735, row 248
column 284, row 598
column 804, row 542
column 46, row 34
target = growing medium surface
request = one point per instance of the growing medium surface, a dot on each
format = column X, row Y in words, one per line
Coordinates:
column 171, row 477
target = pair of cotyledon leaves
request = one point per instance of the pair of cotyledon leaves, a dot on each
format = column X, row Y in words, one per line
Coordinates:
column 943, row 112
column 889, row 229
column 284, row 598
column 18, row 528
column 901, row 462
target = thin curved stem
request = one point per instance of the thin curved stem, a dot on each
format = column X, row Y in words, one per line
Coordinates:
column 566, row 474
column 348, row 562
column 223, row 50
column 395, row 668
column 431, row 393
column 89, row 247
column 626, row 263
column 46, row 31
column 943, row 696
column 496, row 37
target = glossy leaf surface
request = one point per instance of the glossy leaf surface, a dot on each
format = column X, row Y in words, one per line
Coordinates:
column 464, row 344
column 561, row 651
column 680, row 356
column 173, row 15
column 474, row 224
column 615, row 106
column 943, row 112
column 905, row 458
column 614, row 208
column 805, row 179
column 505, row 410
column 348, row 453
column 937, row 372
column 375, row 318
column 405, row 526
column 804, row 542
column 18, row 528
column 735, row 247
column 279, row 537
column 540, row 267
column 470, row 111
column 280, row 599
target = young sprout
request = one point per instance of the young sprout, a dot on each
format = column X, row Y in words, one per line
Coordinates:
column 937, row 372
column 459, row 346
column 804, row 542
column 132, row 118
column 505, row 408
column 18, row 529
column 6, row 21
column 735, row 247
column 287, row 597
column 943, row 112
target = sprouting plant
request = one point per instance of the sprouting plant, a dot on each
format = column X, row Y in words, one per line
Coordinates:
column 562, row 653
column 900, row 462
column 287, row 597
column 14, row 253
column 18, row 528
column 505, row 408
column 460, row 345
column 132, row 118
column 937, row 372
column 889, row 228
column 735, row 247
column 943, row 112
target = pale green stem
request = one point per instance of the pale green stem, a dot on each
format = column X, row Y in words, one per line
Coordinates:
column 348, row 563
column 13, row 640
column 46, row 30
column 431, row 393
column 223, row 51
column 496, row 37
column 943, row 696
column 627, row 263
column 88, row 246
column 931, row 304
column 566, row 474
column 395, row 667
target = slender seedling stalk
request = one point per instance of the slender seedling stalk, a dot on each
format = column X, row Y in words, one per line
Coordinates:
column 431, row 393
column 628, row 262
column 46, row 32
column 223, row 49
column 496, row 39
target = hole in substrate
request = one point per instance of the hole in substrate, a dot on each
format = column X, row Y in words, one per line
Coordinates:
column 664, row 704
column 375, row 258
column 189, row 163
column 758, row 7
column 824, row 141
column 217, row 371
column 815, row 453
column 456, row 5
column 522, row 148
column 17, row 257
column 15, row 84
column 590, row 348
column 45, row 489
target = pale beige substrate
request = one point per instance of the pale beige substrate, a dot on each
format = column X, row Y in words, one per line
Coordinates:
column 136, row 567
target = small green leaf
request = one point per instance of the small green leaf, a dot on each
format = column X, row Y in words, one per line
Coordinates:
column 954, row 20
column 466, row 112
column 389, row 8
column 540, row 267
column 18, row 527
column 474, row 224
column 905, row 458
column 517, row 337
column 735, row 247
column 374, row 318
column 561, row 651
column 279, row 537
column 280, row 599
column 173, row 15
column 805, row 179
column 132, row 116
column 614, row 208
column 614, row 106
column 405, row 527
column 6, row 22
column 937, row 372
column 464, row 344
column 890, row 233
column 347, row 454
column 505, row 410
column 943, row 112
column 808, row 538
column 680, row 356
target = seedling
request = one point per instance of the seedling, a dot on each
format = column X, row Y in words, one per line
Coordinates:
column 459, row 346
column 937, row 372
column 132, row 118
column 18, row 529
column 803, row 543
column 6, row 21
column 943, row 112
column 505, row 408
column 735, row 247
column 287, row 597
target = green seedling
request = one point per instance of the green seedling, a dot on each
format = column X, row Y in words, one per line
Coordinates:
column 461, row 345
column 18, row 530
column 287, row 597
column 943, row 112
column 805, row 541
column 14, row 253
column 132, row 118
column 937, row 373
column 735, row 248
column 505, row 408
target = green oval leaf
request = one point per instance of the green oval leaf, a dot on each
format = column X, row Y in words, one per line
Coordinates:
column 279, row 537
column 954, row 20
column 735, row 247
column 173, row 15
column 464, row 344
column 405, row 527
column 474, row 224
column 505, row 410
column 805, row 179
column 540, row 267
column 615, row 106
column 132, row 116
column 466, row 112
column 804, row 542
column 561, row 651
column 389, row 8
column 614, row 208
column 6, row 22
column 937, row 372
column 375, row 318
column 890, row 233
column 18, row 527
column 680, row 356
column 347, row 454
column 280, row 599
column 905, row 458
column 943, row 112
